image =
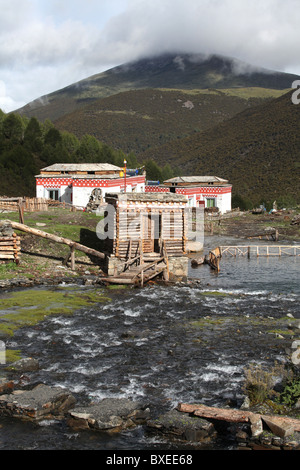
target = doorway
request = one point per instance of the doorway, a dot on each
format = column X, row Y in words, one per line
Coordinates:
column 151, row 232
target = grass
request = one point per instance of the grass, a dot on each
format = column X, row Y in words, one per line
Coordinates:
column 38, row 253
column 27, row 308
column 8, row 271
column 240, row 92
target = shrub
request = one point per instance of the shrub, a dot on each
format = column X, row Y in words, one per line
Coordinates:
column 259, row 383
column 291, row 393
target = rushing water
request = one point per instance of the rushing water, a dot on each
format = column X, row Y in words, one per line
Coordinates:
column 161, row 345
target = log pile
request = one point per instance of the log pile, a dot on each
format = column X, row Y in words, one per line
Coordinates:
column 10, row 244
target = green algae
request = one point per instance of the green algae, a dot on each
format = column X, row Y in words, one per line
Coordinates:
column 29, row 307
column 12, row 355
column 215, row 293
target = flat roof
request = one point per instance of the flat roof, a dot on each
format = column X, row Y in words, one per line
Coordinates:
column 81, row 167
column 144, row 197
column 106, row 176
column 196, row 179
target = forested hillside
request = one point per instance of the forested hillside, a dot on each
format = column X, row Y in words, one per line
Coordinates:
column 26, row 146
column 134, row 121
column 258, row 150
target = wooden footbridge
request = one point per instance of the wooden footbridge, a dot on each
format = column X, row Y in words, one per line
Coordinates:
column 141, row 273
column 141, row 268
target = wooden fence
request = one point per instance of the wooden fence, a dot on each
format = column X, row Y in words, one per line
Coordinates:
column 261, row 250
column 33, row 204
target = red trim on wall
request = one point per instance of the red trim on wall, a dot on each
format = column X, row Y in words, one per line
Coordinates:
column 57, row 182
column 205, row 190
column 156, row 189
column 198, row 191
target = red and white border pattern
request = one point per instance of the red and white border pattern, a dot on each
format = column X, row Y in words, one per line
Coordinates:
column 58, row 182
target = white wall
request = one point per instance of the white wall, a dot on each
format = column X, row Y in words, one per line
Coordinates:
column 224, row 202
column 65, row 194
column 40, row 191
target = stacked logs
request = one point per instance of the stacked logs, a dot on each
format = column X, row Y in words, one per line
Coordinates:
column 10, row 245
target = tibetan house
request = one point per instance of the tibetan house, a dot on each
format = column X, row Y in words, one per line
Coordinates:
column 74, row 183
column 148, row 225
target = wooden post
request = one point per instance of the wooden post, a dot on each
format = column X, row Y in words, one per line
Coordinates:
column 21, row 211
column 73, row 258
column 249, row 251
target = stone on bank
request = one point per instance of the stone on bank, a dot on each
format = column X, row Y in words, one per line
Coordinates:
column 39, row 403
column 111, row 414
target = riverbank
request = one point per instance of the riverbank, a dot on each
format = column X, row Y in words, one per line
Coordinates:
column 184, row 343
column 42, row 261
column 247, row 225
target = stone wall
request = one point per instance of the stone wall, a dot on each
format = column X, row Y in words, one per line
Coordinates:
column 178, row 268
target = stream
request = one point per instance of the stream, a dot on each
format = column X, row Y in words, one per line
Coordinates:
column 161, row 345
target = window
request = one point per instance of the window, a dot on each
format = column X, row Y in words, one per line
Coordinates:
column 53, row 194
column 211, row 202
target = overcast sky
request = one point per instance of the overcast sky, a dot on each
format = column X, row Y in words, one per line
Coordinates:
column 46, row 45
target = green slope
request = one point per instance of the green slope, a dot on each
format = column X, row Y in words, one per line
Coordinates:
column 134, row 121
column 258, row 150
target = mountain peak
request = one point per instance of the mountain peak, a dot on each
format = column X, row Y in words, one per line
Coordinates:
column 170, row 71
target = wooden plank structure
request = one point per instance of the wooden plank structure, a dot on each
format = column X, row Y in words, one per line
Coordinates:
column 214, row 258
column 250, row 250
column 32, row 204
column 146, row 229
column 261, row 250
column 10, row 248
column 10, row 245
column 148, row 218
column 29, row 204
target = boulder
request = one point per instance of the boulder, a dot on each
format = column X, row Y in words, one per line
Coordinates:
column 27, row 364
column 111, row 414
column 279, row 426
column 39, row 403
column 183, row 426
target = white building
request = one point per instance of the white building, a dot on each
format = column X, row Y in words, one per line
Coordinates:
column 209, row 191
column 74, row 183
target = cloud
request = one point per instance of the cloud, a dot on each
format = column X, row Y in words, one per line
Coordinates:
column 263, row 32
column 48, row 44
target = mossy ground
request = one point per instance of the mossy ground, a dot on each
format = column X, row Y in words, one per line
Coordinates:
column 29, row 307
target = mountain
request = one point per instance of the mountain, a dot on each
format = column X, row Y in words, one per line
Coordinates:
column 184, row 71
column 134, row 121
column 204, row 115
column 258, row 151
